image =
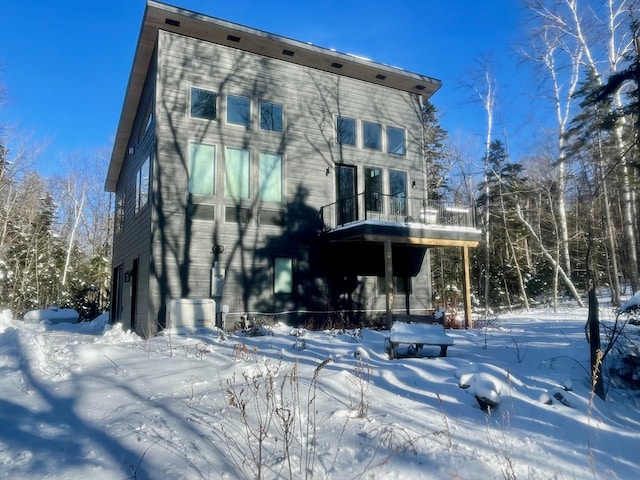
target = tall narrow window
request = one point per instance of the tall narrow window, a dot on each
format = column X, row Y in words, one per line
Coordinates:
column 119, row 216
column 398, row 192
column 237, row 173
column 373, row 189
column 282, row 275
column 146, row 122
column 142, row 186
column 270, row 177
column 372, row 135
column 271, row 116
column 203, row 104
column 239, row 110
column 346, row 131
column 395, row 140
column 202, row 168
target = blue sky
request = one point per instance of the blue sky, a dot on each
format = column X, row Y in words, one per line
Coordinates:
column 64, row 64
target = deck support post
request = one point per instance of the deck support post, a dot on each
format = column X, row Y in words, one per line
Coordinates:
column 388, row 280
column 467, row 288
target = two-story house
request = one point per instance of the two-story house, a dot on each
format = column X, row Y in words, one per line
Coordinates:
column 269, row 176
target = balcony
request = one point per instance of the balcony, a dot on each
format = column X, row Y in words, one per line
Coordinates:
column 388, row 235
column 395, row 209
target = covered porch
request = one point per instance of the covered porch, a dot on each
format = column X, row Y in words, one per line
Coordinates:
column 395, row 244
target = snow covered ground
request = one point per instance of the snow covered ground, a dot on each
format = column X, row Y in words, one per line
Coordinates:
column 90, row 401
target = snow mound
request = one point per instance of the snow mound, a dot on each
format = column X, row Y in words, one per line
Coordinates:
column 485, row 382
column 116, row 334
column 53, row 315
column 632, row 304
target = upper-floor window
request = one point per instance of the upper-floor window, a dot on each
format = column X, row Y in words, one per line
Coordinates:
column 237, row 168
column 239, row 110
column 346, row 131
column 202, row 168
column 395, row 140
column 203, row 103
column 372, row 135
column 271, row 116
column 142, row 186
column 119, row 216
column 270, row 177
column 146, row 122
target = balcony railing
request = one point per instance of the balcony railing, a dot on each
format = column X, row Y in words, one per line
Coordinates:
column 398, row 209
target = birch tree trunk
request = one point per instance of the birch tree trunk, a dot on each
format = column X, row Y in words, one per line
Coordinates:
column 550, row 258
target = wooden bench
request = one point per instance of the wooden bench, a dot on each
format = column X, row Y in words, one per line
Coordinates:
column 416, row 336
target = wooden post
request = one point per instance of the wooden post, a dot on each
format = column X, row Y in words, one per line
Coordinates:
column 388, row 280
column 593, row 323
column 467, row 288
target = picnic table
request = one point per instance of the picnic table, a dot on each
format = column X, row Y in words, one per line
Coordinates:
column 415, row 336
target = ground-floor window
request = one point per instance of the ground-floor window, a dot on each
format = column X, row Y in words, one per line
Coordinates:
column 400, row 285
column 282, row 275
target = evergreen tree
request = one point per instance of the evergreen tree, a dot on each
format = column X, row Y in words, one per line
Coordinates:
column 435, row 154
column 505, row 187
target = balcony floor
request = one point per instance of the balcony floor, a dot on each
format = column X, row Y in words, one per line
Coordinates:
column 408, row 233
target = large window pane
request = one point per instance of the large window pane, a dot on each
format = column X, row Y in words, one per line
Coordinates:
column 372, row 135
column 373, row 189
column 237, row 173
column 398, row 192
column 203, row 104
column 270, row 177
column 239, row 110
column 395, row 140
column 346, row 131
column 282, row 275
column 202, row 168
column 400, row 284
column 142, row 187
column 271, row 116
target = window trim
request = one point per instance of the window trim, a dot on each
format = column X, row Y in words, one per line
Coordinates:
column 339, row 119
column 281, row 179
column 227, row 194
column 366, row 123
column 407, row 289
column 191, row 144
column 190, row 104
column 376, row 198
column 268, row 102
column 246, row 124
column 404, row 140
column 119, row 213
column 142, row 194
column 291, row 279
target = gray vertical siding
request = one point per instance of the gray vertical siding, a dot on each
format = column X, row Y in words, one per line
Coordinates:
column 179, row 236
column 135, row 240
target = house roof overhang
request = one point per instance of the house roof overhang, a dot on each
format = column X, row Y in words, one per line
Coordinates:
column 160, row 16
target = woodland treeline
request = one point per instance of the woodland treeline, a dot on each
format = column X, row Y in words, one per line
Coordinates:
column 563, row 215
column 554, row 218
column 55, row 245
